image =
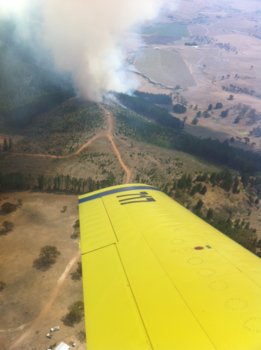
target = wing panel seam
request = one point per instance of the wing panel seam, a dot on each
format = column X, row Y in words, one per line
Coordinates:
column 104, row 206
column 96, row 249
column 180, row 294
column 125, row 273
column 134, row 298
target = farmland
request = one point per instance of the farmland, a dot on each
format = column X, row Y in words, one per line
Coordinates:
column 206, row 59
column 165, row 67
column 164, row 32
column 202, row 54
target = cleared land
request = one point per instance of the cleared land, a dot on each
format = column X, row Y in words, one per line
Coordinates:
column 161, row 33
column 176, row 30
column 165, row 67
column 158, row 166
column 36, row 306
column 217, row 57
column 41, row 219
column 32, row 301
column 99, row 155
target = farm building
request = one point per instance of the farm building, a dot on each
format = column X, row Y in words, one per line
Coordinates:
column 62, row 346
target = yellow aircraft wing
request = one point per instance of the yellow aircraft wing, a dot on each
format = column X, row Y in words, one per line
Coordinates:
column 155, row 276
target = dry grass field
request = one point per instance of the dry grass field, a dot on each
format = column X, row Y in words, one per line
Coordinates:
column 226, row 52
column 31, row 300
column 157, row 166
column 40, row 220
column 165, row 67
column 96, row 162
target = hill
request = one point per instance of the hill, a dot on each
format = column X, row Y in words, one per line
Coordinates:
column 54, row 146
column 27, row 86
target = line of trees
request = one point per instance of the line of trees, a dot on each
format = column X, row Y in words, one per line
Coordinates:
column 7, row 145
column 223, row 179
column 239, row 230
column 60, row 183
column 158, row 99
column 146, row 108
column 179, row 108
column 215, row 151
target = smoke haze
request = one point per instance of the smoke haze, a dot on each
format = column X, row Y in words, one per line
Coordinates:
column 89, row 39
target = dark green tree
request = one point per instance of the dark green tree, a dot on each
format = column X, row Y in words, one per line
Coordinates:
column 235, row 188
column 219, row 105
column 224, row 113
column 48, row 256
column 197, row 208
column 210, row 215
column 75, row 314
column 10, row 144
column 179, row 108
column 194, row 121
column 5, row 145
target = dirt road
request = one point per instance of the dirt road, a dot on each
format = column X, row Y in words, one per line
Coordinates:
column 44, row 312
column 128, row 175
column 52, row 156
column 108, row 134
column 116, row 151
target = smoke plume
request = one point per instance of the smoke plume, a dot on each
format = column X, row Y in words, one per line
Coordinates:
column 89, row 39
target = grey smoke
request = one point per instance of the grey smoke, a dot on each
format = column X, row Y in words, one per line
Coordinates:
column 89, row 38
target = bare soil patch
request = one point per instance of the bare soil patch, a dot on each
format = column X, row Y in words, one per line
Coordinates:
column 32, row 300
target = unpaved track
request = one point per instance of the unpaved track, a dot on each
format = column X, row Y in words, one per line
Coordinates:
column 128, row 175
column 52, row 156
column 108, row 134
column 12, row 330
column 116, row 151
column 44, row 312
